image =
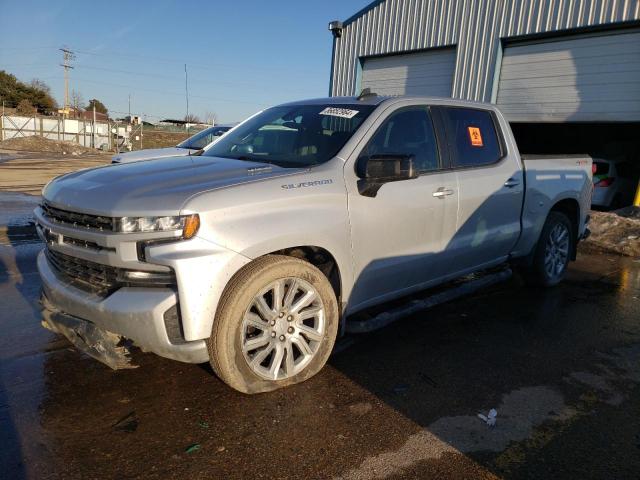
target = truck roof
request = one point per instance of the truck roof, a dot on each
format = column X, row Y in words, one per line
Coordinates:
column 373, row 99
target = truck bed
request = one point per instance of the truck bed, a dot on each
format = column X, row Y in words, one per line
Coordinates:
column 548, row 178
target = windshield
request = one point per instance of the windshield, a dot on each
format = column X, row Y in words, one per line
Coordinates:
column 203, row 138
column 293, row 136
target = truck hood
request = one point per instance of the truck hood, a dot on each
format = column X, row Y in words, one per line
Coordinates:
column 126, row 157
column 153, row 188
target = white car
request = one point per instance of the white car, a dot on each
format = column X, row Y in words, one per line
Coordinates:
column 614, row 183
column 187, row 147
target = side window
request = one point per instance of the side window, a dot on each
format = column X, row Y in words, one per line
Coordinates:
column 408, row 131
column 472, row 137
column 624, row 170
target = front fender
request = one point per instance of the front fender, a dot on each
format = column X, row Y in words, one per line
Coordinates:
column 202, row 270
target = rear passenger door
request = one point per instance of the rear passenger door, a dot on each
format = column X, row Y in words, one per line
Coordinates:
column 490, row 188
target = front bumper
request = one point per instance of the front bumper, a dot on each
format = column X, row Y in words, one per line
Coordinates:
column 135, row 313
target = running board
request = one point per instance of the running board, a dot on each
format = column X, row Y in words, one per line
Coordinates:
column 458, row 290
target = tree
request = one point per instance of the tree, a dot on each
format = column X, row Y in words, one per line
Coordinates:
column 25, row 108
column 100, row 108
column 38, row 93
column 211, row 118
column 38, row 84
column 191, row 118
column 76, row 100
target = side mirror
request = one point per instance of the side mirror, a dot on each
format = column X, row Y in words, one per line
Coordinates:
column 376, row 170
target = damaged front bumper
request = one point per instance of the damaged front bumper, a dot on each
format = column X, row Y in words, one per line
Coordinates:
column 104, row 346
column 92, row 322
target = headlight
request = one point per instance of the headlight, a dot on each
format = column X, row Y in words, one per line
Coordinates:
column 189, row 224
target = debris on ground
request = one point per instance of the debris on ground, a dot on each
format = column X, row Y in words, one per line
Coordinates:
column 128, row 423
column 40, row 144
column 617, row 231
column 192, row 448
column 203, row 424
column 490, row 419
column 360, row 408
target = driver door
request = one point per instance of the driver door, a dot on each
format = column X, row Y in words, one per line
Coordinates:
column 398, row 235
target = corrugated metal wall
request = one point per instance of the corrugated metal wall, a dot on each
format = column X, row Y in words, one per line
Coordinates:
column 475, row 26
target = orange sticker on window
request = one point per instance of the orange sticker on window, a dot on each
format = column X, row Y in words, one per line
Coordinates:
column 475, row 136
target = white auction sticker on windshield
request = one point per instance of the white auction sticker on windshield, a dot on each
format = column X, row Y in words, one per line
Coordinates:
column 339, row 112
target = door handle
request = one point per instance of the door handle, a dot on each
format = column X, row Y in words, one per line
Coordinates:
column 512, row 182
column 442, row 192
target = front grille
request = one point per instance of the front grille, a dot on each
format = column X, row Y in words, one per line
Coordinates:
column 104, row 279
column 74, row 219
column 77, row 242
column 89, row 276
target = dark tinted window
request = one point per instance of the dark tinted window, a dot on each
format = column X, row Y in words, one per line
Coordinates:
column 407, row 132
column 203, row 138
column 472, row 137
column 624, row 169
column 602, row 168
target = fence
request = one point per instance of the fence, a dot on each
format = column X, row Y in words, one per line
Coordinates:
column 82, row 132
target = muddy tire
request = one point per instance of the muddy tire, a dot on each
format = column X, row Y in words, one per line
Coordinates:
column 276, row 325
column 553, row 252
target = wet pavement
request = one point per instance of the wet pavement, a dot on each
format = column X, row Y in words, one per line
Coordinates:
column 561, row 366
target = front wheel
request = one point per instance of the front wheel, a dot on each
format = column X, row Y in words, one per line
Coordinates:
column 276, row 325
column 553, row 251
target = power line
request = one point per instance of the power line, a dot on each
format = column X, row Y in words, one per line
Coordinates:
column 197, row 65
column 28, row 48
column 246, row 85
column 260, row 87
column 164, row 92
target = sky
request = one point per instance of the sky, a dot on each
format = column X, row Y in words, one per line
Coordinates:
column 241, row 55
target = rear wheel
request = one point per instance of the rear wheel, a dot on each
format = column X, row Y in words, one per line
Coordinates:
column 276, row 325
column 553, row 251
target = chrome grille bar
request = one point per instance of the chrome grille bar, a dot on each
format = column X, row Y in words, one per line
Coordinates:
column 83, row 220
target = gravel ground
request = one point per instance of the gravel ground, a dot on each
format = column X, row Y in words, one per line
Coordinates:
column 41, row 144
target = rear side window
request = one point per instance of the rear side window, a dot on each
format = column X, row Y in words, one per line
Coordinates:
column 472, row 137
column 602, row 168
column 624, row 170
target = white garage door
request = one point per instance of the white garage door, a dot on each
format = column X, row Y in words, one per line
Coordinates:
column 425, row 73
column 586, row 78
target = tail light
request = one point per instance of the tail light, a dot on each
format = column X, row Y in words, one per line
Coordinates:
column 605, row 182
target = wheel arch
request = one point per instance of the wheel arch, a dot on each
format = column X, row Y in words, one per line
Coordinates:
column 320, row 258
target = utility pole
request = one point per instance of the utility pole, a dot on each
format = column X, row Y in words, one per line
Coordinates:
column 67, row 56
column 186, row 90
column 129, row 108
column 94, row 125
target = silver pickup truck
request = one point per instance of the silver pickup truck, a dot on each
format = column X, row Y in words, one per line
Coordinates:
column 252, row 255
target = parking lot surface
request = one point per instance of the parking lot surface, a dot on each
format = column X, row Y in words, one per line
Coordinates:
column 561, row 367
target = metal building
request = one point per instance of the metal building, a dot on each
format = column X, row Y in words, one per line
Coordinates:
column 572, row 64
